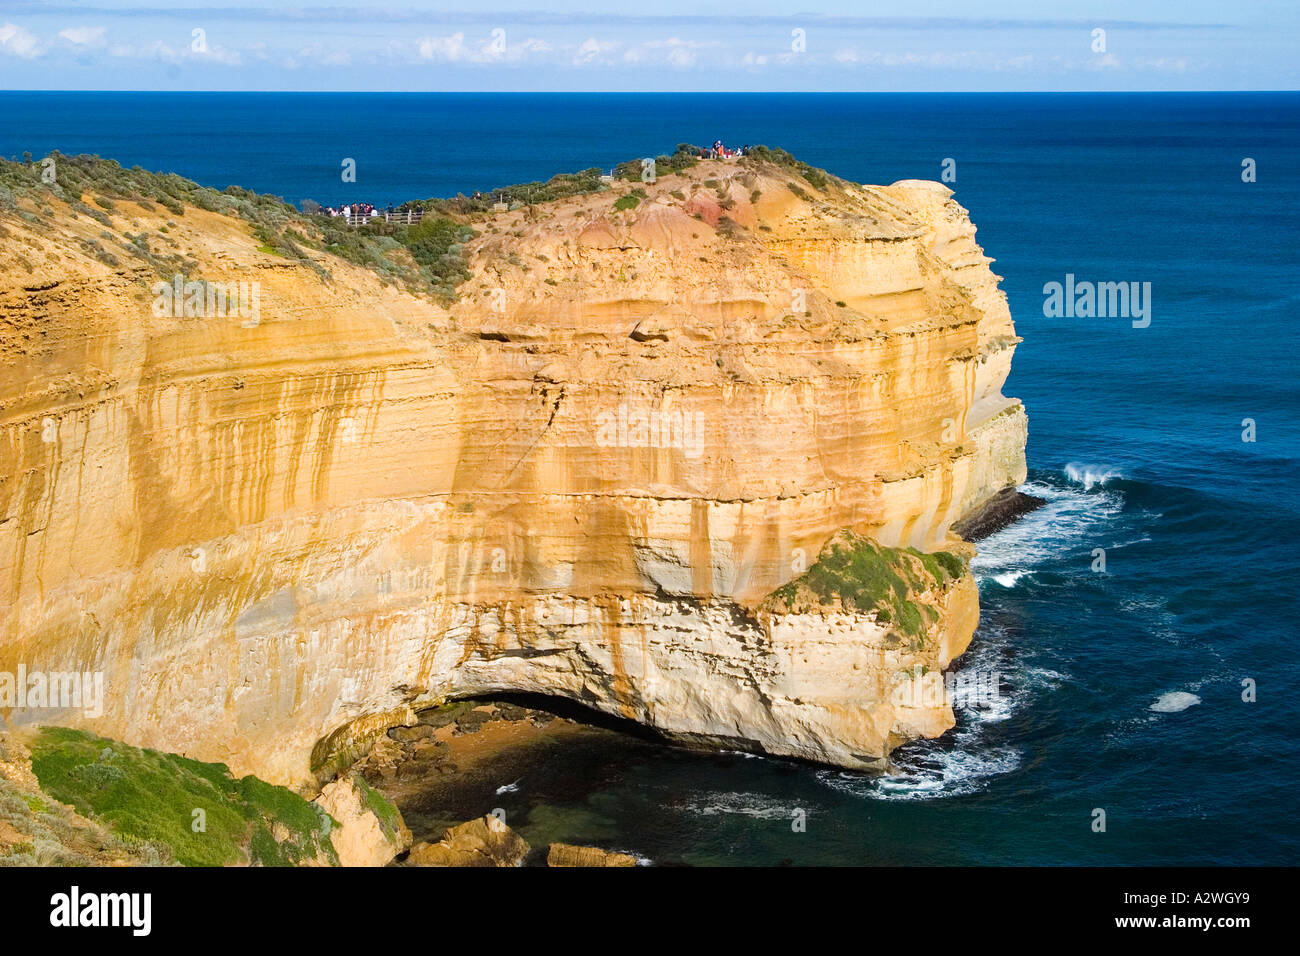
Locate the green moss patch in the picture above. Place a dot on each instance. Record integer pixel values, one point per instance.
(854, 573)
(147, 795)
(378, 804)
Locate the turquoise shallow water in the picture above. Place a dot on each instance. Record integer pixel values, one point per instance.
(1135, 442)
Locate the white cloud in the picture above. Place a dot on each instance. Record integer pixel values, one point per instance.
(221, 55)
(84, 36)
(1022, 62)
(681, 57)
(934, 60)
(592, 49)
(495, 49)
(319, 54)
(1168, 64)
(675, 51)
(16, 41)
(450, 48)
(517, 51)
(158, 50)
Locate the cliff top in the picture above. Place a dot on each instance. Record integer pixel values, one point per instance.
(484, 235)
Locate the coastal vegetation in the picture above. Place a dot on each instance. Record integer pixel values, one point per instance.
(383, 809)
(194, 812)
(630, 201)
(426, 257)
(817, 178)
(855, 573)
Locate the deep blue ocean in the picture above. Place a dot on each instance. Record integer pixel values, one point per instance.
(1136, 440)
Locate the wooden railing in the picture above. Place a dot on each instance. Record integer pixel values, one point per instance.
(407, 217)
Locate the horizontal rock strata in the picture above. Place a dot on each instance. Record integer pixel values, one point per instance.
(583, 478)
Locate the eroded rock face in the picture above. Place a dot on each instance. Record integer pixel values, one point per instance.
(370, 829)
(582, 479)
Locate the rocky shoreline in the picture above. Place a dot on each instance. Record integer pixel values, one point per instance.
(1006, 507)
(459, 741)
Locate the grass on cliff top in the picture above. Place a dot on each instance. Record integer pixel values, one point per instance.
(855, 573)
(562, 186)
(426, 258)
(817, 178)
(147, 795)
(36, 830)
(685, 156)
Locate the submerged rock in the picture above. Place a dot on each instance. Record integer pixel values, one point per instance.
(486, 841)
(565, 854)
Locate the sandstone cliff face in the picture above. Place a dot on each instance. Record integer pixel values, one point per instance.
(582, 478)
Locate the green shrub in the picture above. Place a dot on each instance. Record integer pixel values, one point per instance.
(630, 201)
(147, 795)
(818, 178)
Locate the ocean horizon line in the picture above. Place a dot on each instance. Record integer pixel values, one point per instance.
(683, 93)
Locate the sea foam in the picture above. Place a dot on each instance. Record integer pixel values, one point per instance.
(1175, 701)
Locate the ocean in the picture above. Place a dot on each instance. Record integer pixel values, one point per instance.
(1159, 691)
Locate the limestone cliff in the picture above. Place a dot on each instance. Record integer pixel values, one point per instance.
(649, 408)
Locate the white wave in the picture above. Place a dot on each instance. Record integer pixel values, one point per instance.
(509, 787)
(1069, 522)
(1018, 684)
(1091, 476)
(924, 774)
(1174, 702)
(965, 761)
(1128, 544)
(989, 710)
(1046, 678)
(746, 804)
(1009, 579)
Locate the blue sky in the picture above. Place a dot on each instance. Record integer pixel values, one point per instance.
(665, 45)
